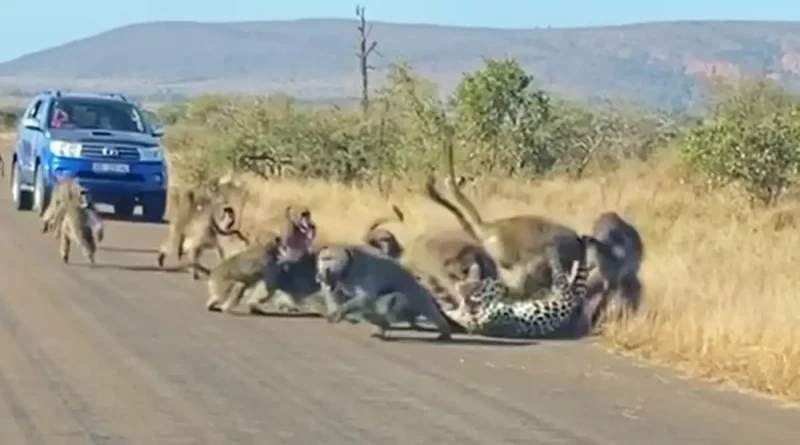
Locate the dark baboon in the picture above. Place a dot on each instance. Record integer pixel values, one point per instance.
(363, 276)
(291, 273)
(614, 257)
(77, 227)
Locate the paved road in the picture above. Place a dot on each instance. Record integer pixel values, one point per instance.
(121, 354)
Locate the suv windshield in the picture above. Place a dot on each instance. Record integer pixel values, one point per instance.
(96, 114)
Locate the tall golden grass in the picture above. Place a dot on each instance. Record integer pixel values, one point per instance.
(720, 279)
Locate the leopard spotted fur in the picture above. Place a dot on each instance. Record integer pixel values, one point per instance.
(490, 313)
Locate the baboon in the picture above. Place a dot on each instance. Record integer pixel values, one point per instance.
(188, 210)
(199, 225)
(516, 244)
(440, 260)
(65, 190)
(244, 269)
(77, 226)
(443, 258)
(184, 205)
(383, 239)
(363, 275)
(615, 254)
(293, 273)
(204, 231)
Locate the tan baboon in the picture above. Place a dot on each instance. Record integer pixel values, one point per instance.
(183, 205)
(516, 244)
(77, 226)
(205, 230)
(65, 190)
(244, 269)
(442, 259)
(382, 239)
(200, 224)
(615, 254)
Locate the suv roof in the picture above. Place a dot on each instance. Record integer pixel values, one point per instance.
(86, 95)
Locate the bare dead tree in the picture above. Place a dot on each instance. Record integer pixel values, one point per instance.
(365, 49)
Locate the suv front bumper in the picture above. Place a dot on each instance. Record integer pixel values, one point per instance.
(142, 181)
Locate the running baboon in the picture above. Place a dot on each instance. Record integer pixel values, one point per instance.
(614, 257)
(184, 205)
(382, 239)
(77, 226)
(204, 231)
(516, 244)
(244, 269)
(187, 210)
(363, 275)
(65, 190)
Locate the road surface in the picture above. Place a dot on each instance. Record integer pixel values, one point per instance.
(122, 354)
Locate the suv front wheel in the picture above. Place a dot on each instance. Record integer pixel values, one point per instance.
(40, 194)
(22, 199)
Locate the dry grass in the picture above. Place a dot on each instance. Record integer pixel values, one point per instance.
(720, 298)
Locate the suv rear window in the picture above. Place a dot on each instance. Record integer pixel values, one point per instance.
(96, 114)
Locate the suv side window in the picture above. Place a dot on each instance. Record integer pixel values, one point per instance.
(33, 110)
(41, 112)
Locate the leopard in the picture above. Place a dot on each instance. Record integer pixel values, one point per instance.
(489, 312)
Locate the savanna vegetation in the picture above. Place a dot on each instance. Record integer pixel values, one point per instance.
(713, 194)
(9, 116)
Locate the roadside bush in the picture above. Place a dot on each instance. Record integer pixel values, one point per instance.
(751, 136)
(9, 116)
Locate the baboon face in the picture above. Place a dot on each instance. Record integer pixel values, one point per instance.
(274, 249)
(465, 266)
(85, 200)
(331, 264)
(302, 230)
(386, 242)
(228, 218)
(604, 258)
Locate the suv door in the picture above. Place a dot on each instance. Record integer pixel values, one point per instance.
(27, 144)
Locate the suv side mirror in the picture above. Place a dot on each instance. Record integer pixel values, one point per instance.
(31, 124)
(158, 130)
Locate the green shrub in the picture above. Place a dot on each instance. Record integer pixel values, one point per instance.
(497, 120)
(752, 137)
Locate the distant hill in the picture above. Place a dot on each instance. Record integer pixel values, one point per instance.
(657, 64)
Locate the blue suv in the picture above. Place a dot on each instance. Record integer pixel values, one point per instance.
(102, 140)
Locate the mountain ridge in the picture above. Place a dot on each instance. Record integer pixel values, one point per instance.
(659, 64)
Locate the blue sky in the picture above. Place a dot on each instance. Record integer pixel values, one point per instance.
(31, 26)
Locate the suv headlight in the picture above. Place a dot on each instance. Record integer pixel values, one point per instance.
(151, 154)
(65, 149)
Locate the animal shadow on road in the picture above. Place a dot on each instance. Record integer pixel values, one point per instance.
(277, 314)
(127, 250)
(139, 268)
(110, 216)
(461, 341)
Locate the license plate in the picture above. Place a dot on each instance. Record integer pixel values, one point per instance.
(100, 167)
